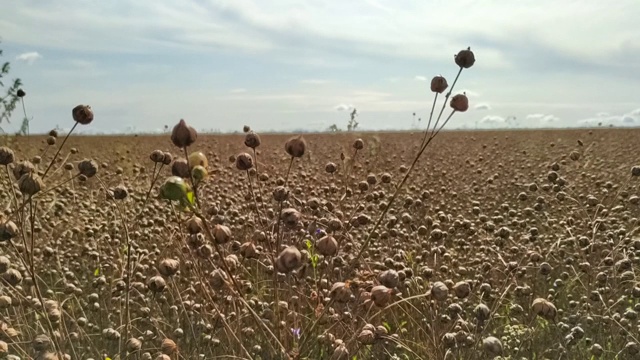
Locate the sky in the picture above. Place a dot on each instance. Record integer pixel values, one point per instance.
(291, 65)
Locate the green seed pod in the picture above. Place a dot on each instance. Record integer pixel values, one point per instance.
(174, 188)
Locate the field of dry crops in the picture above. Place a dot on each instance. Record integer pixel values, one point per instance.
(512, 245)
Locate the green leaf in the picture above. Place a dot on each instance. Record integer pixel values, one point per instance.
(96, 272)
(386, 326)
(191, 197)
(308, 243)
(402, 324)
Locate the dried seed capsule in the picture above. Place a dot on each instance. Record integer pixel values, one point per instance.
(157, 156)
(460, 103)
(180, 168)
(296, 146)
(244, 162)
(82, 114)
(183, 135)
(88, 168)
(23, 167)
(6, 156)
(252, 140)
(133, 345)
(120, 192)
(465, 58)
(168, 267)
(8, 230)
(544, 308)
(30, 184)
(439, 84)
(168, 158)
(358, 144)
(492, 346)
(327, 246)
(168, 347)
(289, 259)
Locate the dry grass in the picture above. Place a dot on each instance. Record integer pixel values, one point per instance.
(519, 244)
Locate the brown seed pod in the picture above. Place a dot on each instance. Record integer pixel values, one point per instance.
(183, 135)
(30, 184)
(246, 128)
(162, 357)
(330, 168)
(41, 343)
(5, 302)
(133, 345)
(289, 259)
(120, 192)
(366, 337)
(4, 349)
(544, 308)
(168, 267)
(53, 133)
(88, 168)
(6, 156)
(51, 140)
(381, 295)
(327, 246)
(439, 84)
(252, 140)
(462, 289)
(492, 346)
(8, 230)
(168, 347)
(13, 277)
(459, 103)
(635, 171)
(194, 225)
(221, 234)
(439, 291)
(358, 144)
(157, 156)
(296, 146)
(156, 284)
(249, 250)
(82, 114)
(180, 168)
(389, 278)
(244, 162)
(280, 194)
(465, 58)
(5, 263)
(168, 158)
(23, 167)
(340, 292)
(291, 217)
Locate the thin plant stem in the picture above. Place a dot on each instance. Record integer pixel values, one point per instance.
(58, 151)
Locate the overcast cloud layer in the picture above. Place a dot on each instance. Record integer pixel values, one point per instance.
(287, 65)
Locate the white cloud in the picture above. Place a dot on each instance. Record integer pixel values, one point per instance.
(493, 120)
(469, 93)
(343, 107)
(628, 119)
(238, 91)
(543, 118)
(29, 57)
(482, 106)
(420, 78)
